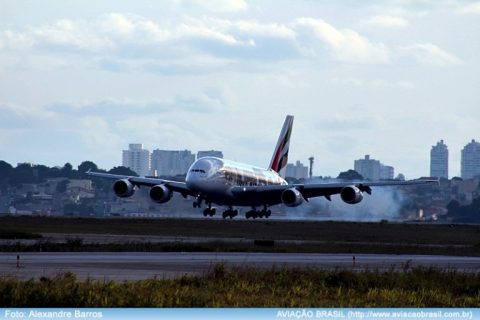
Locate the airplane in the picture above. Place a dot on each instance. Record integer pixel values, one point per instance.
(232, 184)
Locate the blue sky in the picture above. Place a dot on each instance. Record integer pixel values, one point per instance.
(81, 79)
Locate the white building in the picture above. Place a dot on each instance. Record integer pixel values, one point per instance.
(471, 160)
(137, 159)
(297, 170)
(171, 162)
(439, 160)
(368, 168)
(373, 170)
(386, 172)
(210, 153)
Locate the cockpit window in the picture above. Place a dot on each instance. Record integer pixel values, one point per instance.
(197, 170)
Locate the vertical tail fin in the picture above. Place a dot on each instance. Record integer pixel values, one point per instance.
(280, 155)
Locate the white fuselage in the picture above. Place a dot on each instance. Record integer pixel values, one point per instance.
(212, 178)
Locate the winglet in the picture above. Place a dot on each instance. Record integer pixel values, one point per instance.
(280, 155)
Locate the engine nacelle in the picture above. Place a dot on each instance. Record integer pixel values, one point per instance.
(351, 195)
(160, 193)
(123, 188)
(292, 197)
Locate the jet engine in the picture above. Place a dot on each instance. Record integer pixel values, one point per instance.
(292, 197)
(160, 193)
(351, 194)
(123, 188)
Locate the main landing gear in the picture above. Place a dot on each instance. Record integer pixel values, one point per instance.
(209, 211)
(265, 213)
(230, 213)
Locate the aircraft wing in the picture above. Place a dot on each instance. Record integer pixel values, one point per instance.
(328, 189)
(175, 186)
(272, 194)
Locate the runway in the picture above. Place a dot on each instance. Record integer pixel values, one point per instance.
(144, 265)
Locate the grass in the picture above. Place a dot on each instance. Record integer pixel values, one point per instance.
(223, 287)
(15, 234)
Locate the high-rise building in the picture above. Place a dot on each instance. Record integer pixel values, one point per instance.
(210, 153)
(386, 172)
(368, 168)
(297, 170)
(471, 160)
(137, 159)
(439, 160)
(171, 162)
(372, 169)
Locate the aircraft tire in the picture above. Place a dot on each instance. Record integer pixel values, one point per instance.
(212, 212)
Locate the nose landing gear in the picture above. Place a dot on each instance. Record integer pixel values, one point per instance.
(198, 202)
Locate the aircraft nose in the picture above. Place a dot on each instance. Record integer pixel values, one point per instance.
(201, 171)
(194, 179)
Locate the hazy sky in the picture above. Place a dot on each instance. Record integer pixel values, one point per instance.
(79, 80)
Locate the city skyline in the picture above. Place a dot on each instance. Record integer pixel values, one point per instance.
(173, 162)
(381, 78)
(140, 159)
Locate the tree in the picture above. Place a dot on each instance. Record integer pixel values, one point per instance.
(41, 172)
(464, 214)
(67, 170)
(453, 206)
(6, 171)
(23, 173)
(87, 165)
(475, 205)
(5, 168)
(292, 180)
(55, 172)
(122, 171)
(350, 175)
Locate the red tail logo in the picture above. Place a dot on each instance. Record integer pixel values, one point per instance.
(280, 155)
